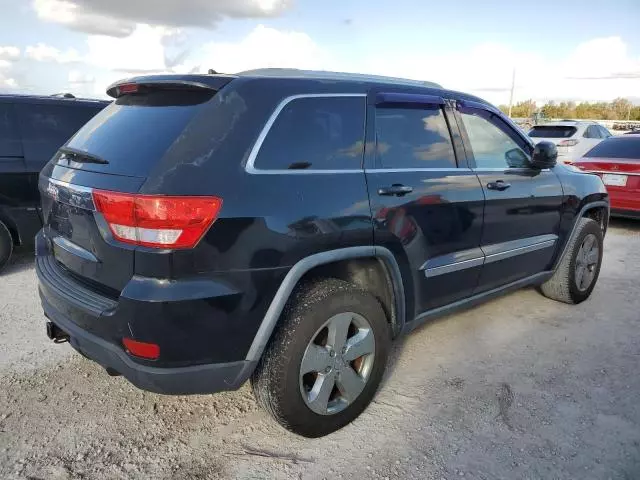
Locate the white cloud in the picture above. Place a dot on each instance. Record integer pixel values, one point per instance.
(263, 47)
(119, 17)
(9, 52)
(76, 77)
(142, 51)
(46, 53)
(600, 69)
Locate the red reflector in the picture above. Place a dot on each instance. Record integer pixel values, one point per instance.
(141, 349)
(127, 88)
(157, 221)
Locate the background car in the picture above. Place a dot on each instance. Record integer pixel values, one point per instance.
(617, 161)
(573, 138)
(32, 128)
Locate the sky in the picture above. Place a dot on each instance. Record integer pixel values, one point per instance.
(581, 50)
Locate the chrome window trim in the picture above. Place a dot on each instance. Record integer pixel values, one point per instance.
(255, 150)
(509, 169)
(398, 170)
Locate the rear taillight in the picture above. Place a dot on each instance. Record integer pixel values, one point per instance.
(157, 221)
(568, 143)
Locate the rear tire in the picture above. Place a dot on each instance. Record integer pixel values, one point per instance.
(6, 245)
(307, 335)
(577, 274)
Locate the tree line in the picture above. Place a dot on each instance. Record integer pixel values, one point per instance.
(618, 109)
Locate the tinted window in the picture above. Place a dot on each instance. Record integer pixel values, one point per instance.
(552, 131)
(617, 147)
(134, 132)
(492, 147)
(10, 143)
(46, 127)
(604, 133)
(591, 132)
(319, 133)
(413, 138)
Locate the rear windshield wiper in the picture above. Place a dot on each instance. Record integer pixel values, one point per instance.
(74, 155)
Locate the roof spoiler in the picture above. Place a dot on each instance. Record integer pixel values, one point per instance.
(168, 82)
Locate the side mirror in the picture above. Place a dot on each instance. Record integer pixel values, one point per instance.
(545, 155)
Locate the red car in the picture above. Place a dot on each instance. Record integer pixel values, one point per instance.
(617, 161)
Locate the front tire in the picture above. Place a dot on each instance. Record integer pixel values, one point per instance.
(577, 274)
(325, 360)
(6, 245)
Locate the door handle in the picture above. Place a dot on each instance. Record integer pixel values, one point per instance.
(498, 185)
(395, 190)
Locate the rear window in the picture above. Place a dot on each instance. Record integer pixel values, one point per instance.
(552, 131)
(135, 131)
(316, 133)
(617, 147)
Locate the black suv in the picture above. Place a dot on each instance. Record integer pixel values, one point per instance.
(32, 128)
(286, 226)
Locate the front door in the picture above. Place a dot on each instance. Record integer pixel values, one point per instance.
(522, 204)
(427, 204)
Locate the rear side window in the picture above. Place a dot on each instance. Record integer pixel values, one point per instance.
(604, 133)
(46, 127)
(617, 147)
(592, 132)
(10, 143)
(413, 138)
(315, 133)
(552, 131)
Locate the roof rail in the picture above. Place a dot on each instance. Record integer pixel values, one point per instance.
(328, 75)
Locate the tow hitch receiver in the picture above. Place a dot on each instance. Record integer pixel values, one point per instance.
(56, 334)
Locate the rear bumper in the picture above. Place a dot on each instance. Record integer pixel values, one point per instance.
(198, 379)
(203, 339)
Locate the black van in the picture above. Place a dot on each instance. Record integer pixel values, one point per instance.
(32, 128)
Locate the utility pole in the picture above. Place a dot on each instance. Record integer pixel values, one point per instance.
(513, 86)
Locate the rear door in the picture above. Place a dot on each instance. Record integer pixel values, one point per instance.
(523, 204)
(426, 202)
(114, 151)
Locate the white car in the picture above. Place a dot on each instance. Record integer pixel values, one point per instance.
(573, 138)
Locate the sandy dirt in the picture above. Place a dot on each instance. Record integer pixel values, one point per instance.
(521, 387)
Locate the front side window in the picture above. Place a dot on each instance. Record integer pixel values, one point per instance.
(413, 138)
(492, 147)
(315, 133)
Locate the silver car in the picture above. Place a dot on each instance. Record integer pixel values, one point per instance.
(573, 138)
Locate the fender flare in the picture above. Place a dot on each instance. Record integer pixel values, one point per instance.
(583, 210)
(294, 275)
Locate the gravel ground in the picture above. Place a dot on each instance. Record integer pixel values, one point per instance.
(522, 387)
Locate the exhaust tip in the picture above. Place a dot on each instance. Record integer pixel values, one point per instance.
(56, 334)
